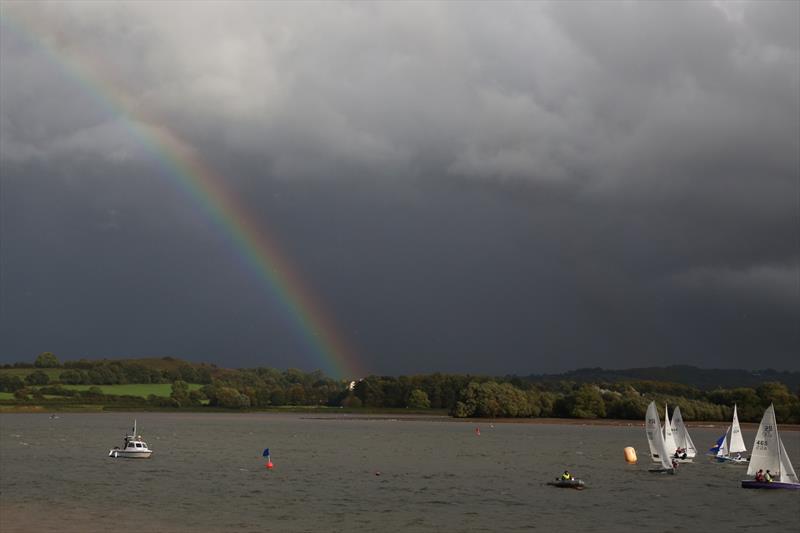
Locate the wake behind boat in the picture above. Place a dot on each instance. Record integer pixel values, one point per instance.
(133, 447)
(769, 462)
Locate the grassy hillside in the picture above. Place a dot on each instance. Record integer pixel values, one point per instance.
(52, 373)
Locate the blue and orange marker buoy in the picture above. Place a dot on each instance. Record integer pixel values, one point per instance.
(268, 465)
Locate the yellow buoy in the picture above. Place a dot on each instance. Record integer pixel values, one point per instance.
(630, 455)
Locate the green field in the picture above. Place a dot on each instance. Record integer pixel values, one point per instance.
(133, 389)
(142, 389)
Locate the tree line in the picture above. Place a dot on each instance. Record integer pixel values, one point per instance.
(458, 394)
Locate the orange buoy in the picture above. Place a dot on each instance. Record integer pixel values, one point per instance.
(630, 455)
(269, 465)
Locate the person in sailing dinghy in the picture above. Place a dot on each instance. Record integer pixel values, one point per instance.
(768, 477)
(566, 476)
(760, 476)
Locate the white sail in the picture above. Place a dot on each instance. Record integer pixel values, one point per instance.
(723, 448)
(736, 443)
(654, 437)
(650, 438)
(787, 470)
(768, 451)
(765, 447)
(691, 451)
(669, 439)
(681, 434)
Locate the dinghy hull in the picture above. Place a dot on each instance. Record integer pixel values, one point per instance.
(753, 484)
(568, 484)
(662, 470)
(732, 461)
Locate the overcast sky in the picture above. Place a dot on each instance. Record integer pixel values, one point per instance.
(465, 187)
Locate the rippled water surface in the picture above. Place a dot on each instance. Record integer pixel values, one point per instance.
(207, 474)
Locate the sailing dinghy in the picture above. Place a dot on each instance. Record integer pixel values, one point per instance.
(769, 455)
(732, 445)
(685, 450)
(655, 439)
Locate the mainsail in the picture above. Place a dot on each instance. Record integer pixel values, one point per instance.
(651, 438)
(654, 437)
(681, 434)
(787, 470)
(723, 448)
(736, 443)
(769, 453)
(669, 439)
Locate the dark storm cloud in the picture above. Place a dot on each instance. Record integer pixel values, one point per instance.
(470, 187)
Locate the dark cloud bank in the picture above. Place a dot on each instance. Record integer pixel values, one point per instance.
(498, 188)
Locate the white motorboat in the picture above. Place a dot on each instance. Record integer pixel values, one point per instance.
(133, 447)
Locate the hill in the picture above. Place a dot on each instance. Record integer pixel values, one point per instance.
(705, 379)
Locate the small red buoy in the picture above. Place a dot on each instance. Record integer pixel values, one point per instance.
(269, 465)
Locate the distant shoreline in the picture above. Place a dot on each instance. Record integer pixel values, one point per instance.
(333, 414)
(709, 424)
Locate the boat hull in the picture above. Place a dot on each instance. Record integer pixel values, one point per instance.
(568, 484)
(662, 470)
(125, 454)
(732, 461)
(753, 484)
(656, 459)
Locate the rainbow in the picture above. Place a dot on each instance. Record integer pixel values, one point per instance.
(253, 243)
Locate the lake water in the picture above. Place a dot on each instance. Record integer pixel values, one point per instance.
(207, 474)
